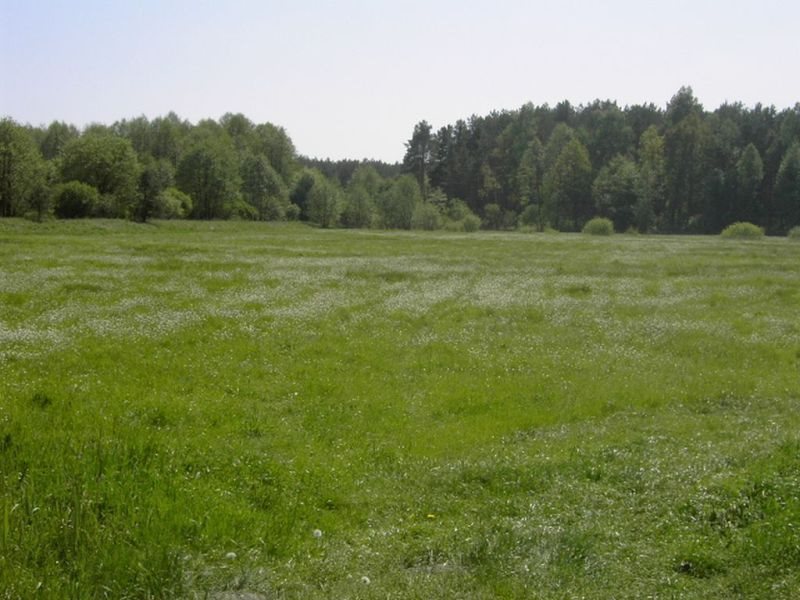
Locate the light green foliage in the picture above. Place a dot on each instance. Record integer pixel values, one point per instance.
(22, 170)
(743, 231)
(360, 197)
(460, 217)
(108, 163)
(39, 205)
(652, 180)
(457, 209)
(240, 129)
(155, 176)
(209, 172)
(57, 135)
(172, 204)
(292, 212)
(183, 404)
(324, 202)
(794, 233)
(301, 187)
(167, 136)
(273, 142)
(426, 217)
(598, 226)
(359, 207)
(396, 204)
(263, 188)
(471, 223)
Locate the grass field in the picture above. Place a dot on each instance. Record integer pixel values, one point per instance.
(223, 410)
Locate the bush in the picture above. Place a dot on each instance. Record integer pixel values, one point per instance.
(241, 210)
(426, 216)
(75, 200)
(598, 226)
(794, 233)
(743, 231)
(471, 223)
(172, 204)
(458, 209)
(292, 212)
(461, 218)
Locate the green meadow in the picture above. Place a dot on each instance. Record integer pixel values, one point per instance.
(243, 410)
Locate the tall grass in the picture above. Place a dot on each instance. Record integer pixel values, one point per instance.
(194, 409)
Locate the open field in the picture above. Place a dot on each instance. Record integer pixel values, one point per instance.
(234, 410)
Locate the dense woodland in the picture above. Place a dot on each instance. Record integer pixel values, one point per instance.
(679, 169)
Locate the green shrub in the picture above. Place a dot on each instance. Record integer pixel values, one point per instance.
(743, 231)
(241, 210)
(460, 217)
(530, 216)
(598, 226)
(471, 223)
(794, 233)
(172, 204)
(458, 209)
(426, 216)
(76, 200)
(292, 212)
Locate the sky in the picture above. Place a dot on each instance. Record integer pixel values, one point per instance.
(350, 78)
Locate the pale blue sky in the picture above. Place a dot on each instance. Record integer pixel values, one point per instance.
(349, 79)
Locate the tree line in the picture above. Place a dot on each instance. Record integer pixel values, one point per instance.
(682, 169)
(679, 169)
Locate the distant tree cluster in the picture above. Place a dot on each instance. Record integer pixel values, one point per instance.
(141, 169)
(682, 169)
(168, 168)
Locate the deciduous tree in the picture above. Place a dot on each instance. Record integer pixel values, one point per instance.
(22, 168)
(209, 173)
(567, 187)
(396, 204)
(108, 163)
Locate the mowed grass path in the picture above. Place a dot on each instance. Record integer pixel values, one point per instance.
(244, 410)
